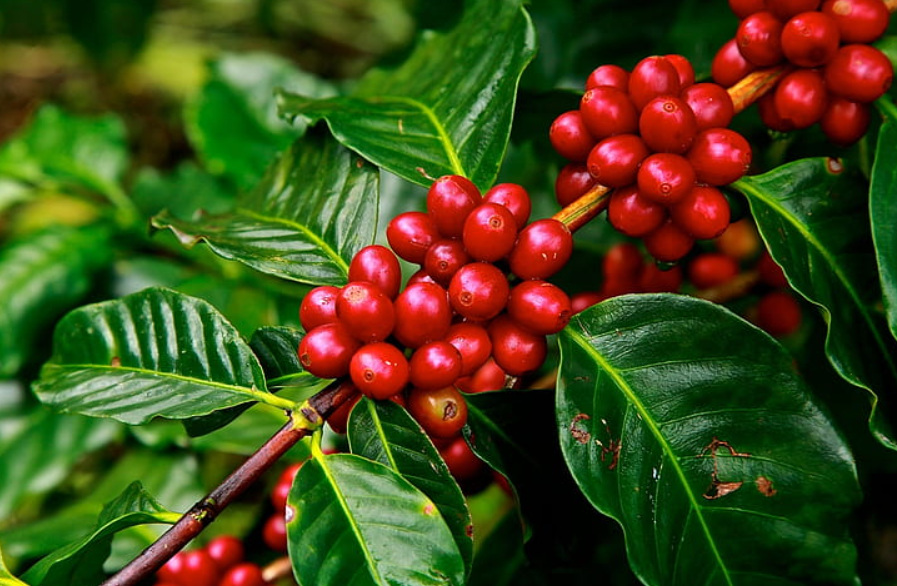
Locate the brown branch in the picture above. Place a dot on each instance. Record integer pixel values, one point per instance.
(310, 416)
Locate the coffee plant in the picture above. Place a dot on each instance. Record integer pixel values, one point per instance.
(496, 293)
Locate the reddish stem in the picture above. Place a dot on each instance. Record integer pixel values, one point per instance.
(310, 417)
(580, 212)
(755, 85)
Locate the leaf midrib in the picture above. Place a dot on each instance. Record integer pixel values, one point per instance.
(665, 446)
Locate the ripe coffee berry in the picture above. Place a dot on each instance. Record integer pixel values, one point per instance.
(434, 365)
(570, 137)
(245, 574)
(711, 269)
(423, 314)
(339, 419)
(282, 488)
(729, 66)
(859, 72)
(769, 114)
(683, 68)
(607, 111)
(478, 291)
(740, 241)
(785, 9)
(584, 299)
(634, 215)
(226, 551)
(490, 231)
(514, 197)
(449, 200)
(274, 533)
(193, 567)
(702, 213)
(711, 105)
(318, 307)
(668, 243)
(379, 370)
(615, 160)
(665, 178)
(410, 234)
(488, 377)
(745, 8)
(779, 313)
(719, 156)
(759, 39)
(326, 350)
(443, 260)
(540, 307)
(461, 461)
(667, 125)
(441, 412)
(656, 280)
(810, 39)
(472, 343)
(801, 98)
(542, 249)
(515, 349)
(608, 75)
(858, 21)
(623, 262)
(366, 312)
(844, 122)
(652, 77)
(378, 265)
(573, 180)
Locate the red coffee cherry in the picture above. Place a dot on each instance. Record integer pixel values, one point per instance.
(668, 243)
(656, 280)
(653, 77)
(514, 197)
(443, 260)
(801, 98)
(608, 75)
(745, 8)
(683, 68)
(488, 377)
(584, 300)
(245, 574)
(326, 350)
(410, 234)
(540, 307)
(274, 533)
(478, 291)
(441, 412)
(859, 72)
(770, 272)
(607, 111)
(472, 343)
(366, 312)
(810, 39)
(379, 370)
(570, 137)
(449, 200)
(719, 156)
(785, 9)
(858, 21)
(542, 249)
(759, 39)
(423, 314)
(711, 269)
(226, 551)
(461, 461)
(515, 349)
(193, 567)
(318, 307)
(572, 182)
(665, 178)
(615, 160)
(622, 262)
(667, 125)
(281, 489)
(769, 114)
(740, 240)
(711, 104)
(844, 122)
(490, 232)
(779, 313)
(378, 265)
(421, 276)
(434, 365)
(702, 213)
(634, 215)
(729, 66)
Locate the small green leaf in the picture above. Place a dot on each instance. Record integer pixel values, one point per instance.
(232, 122)
(354, 521)
(315, 208)
(156, 353)
(276, 348)
(690, 427)
(815, 222)
(384, 432)
(6, 577)
(883, 212)
(44, 275)
(82, 561)
(447, 109)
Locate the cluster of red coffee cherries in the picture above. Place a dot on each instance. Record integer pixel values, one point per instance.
(661, 142)
(219, 563)
(458, 322)
(836, 73)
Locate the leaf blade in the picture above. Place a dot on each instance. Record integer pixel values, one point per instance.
(882, 211)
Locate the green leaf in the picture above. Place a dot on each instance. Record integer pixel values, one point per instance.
(6, 577)
(690, 427)
(184, 192)
(384, 432)
(153, 353)
(315, 208)
(358, 522)
(816, 225)
(232, 122)
(82, 561)
(44, 274)
(276, 348)
(447, 109)
(883, 212)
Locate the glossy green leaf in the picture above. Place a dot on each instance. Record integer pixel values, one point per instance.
(815, 222)
(183, 192)
(314, 209)
(690, 427)
(6, 577)
(82, 561)
(384, 432)
(354, 521)
(157, 353)
(232, 122)
(447, 109)
(276, 348)
(883, 212)
(44, 274)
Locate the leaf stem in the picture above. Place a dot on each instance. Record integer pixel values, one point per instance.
(580, 212)
(308, 418)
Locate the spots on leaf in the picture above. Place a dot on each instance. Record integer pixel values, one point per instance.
(115, 362)
(719, 488)
(764, 485)
(579, 434)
